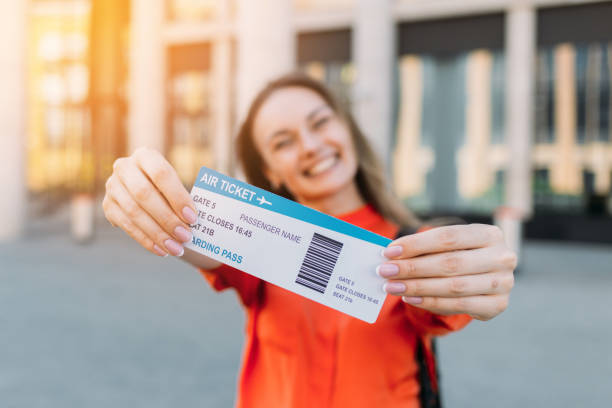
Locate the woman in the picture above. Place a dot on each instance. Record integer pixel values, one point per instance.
(298, 142)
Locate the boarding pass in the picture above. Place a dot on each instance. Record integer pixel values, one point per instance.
(287, 244)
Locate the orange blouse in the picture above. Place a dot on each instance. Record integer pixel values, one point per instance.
(299, 353)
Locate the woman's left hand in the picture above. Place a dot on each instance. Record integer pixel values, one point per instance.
(453, 269)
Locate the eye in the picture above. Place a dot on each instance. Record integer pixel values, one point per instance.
(282, 143)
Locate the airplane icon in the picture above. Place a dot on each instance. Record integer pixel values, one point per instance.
(262, 200)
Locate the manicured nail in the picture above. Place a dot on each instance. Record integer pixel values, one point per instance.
(159, 251)
(392, 251)
(387, 270)
(182, 234)
(413, 300)
(174, 247)
(394, 288)
(189, 215)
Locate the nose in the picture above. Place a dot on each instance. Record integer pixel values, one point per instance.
(310, 142)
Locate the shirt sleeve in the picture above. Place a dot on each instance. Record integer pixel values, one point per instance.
(248, 287)
(429, 323)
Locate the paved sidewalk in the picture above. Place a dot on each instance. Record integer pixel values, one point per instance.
(107, 325)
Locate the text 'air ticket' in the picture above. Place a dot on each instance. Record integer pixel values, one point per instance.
(289, 245)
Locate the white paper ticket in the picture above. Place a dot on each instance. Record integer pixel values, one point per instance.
(289, 245)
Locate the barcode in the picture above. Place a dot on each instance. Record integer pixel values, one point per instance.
(319, 262)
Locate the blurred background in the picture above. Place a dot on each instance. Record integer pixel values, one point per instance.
(490, 110)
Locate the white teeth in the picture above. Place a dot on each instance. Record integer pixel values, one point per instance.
(321, 166)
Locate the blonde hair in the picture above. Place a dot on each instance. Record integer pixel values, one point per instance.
(370, 176)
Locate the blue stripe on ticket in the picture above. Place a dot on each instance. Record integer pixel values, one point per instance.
(212, 180)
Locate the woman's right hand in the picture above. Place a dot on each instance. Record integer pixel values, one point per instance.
(145, 198)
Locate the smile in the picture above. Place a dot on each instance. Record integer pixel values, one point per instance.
(322, 166)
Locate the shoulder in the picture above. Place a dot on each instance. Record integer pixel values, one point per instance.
(385, 227)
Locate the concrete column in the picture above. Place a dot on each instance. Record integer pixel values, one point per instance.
(13, 28)
(146, 76)
(373, 45)
(266, 46)
(520, 71)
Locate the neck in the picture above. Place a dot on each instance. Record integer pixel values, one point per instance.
(346, 200)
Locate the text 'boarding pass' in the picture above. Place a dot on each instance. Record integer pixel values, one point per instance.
(289, 245)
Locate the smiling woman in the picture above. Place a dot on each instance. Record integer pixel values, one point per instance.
(296, 112)
(298, 142)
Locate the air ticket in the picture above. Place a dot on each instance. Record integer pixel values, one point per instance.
(289, 245)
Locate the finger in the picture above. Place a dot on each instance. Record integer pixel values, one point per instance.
(117, 218)
(164, 177)
(483, 307)
(149, 198)
(453, 263)
(458, 286)
(139, 217)
(106, 205)
(443, 239)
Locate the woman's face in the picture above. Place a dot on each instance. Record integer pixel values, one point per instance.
(306, 147)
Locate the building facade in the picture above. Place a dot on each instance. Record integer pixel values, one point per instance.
(474, 105)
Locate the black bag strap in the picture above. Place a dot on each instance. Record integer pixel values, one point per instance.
(429, 396)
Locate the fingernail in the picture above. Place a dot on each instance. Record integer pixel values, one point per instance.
(387, 270)
(189, 215)
(392, 251)
(174, 247)
(182, 234)
(413, 300)
(394, 287)
(159, 251)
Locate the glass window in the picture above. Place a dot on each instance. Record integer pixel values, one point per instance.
(573, 137)
(190, 117)
(450, 153)
(76, 93)
(59, 137)
(544, 101)
(326, 56)
(573, 140)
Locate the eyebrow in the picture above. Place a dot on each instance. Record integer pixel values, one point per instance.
(315, 111)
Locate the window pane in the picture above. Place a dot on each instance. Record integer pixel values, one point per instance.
(59, 127)
(326, 56)
(190, 126)
(450, 154)
(572, 150)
